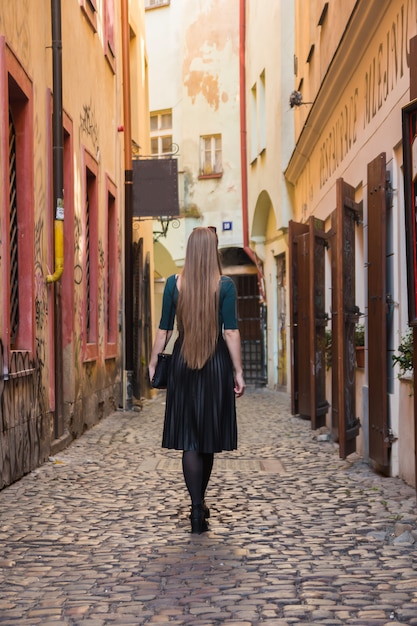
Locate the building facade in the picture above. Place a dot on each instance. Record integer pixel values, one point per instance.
(62, 218)
(195, 79)
(269, 136)
(347, 239)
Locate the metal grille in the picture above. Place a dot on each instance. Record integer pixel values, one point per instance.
(110, 268)
(252, 322)
(13, 242)
(88, 268)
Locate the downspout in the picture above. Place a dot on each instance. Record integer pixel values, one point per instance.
(58, 191)
(57, 142)
(128, 282)
(243, 151)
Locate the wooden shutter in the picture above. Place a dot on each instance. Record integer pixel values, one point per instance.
(308, 321)
(379, 441)
(345, 423)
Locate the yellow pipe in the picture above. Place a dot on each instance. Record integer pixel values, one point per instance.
(58, 245)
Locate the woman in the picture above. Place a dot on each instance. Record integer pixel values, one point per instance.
(206, 368)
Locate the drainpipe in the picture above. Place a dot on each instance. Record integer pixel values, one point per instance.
(58, 184)
(57, 142)
(243, 151)
(128, 282)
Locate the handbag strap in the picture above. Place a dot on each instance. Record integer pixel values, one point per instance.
(172, 304)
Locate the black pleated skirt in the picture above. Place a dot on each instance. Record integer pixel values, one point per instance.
(200, 411)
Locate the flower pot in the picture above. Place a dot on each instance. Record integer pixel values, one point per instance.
(360, 356)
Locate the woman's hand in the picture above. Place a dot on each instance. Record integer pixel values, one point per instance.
(239, 385)
(161, 339)
(151, 371)
(232, 338)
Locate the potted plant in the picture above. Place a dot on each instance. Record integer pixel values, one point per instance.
(405, 357)
(360, 345)
(328, 348)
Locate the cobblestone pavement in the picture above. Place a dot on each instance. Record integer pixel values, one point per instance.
(100, 535)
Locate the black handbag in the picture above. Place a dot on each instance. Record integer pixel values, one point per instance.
(160, 377)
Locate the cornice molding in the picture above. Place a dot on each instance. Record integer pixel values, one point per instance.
(360, 29)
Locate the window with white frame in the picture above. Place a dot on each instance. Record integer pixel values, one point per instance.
(262, 113)
(258, 118)
(211, 155)
(253, 124)
(161, 132)
(153, 4)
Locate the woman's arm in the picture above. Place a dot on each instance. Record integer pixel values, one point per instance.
(161, 340)
(232, 338)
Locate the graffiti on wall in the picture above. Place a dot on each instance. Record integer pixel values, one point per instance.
(14, 23)
(88, 124)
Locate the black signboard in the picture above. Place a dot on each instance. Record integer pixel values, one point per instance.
(155, 187)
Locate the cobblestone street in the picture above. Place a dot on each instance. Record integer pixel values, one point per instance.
(100, 535)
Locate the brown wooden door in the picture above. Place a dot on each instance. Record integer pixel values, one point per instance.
(345, 423)
(296, 231)
(379, 442)
(308, 321)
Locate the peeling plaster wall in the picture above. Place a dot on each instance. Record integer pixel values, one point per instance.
(92, 102)
(196, 74)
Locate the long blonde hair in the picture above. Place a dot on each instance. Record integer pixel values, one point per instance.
(198, 302)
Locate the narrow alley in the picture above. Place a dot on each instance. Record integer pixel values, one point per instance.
(100, 534)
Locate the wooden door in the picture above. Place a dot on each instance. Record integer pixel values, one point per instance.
(345, 314)
(296, 231)
(308, 321)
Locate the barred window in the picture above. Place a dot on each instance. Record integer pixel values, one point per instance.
(111, 271)
(17, 213)
(90, 268)
(13, 237)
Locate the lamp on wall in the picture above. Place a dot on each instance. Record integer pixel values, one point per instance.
(296, 99)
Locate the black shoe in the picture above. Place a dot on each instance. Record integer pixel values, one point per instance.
(206, 510)
(198, 521)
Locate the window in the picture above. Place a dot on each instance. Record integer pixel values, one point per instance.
(90, 260)
(253, 124)
(112, 264)
(258, 118)
(17, 218)
(154, 4)
(109, 50)
(262, 113)
(211, 155)
(161, 132)
(89, 8)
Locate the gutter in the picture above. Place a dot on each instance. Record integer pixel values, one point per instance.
(58, 199)
(57, 142)
(128, 237)
(243, 152)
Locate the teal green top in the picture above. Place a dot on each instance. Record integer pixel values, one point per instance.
(227, 304)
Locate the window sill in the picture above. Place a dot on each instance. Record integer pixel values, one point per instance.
(110, 351)
(205, 176)
(90, 352)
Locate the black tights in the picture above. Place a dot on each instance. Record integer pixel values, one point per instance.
(197, 467)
